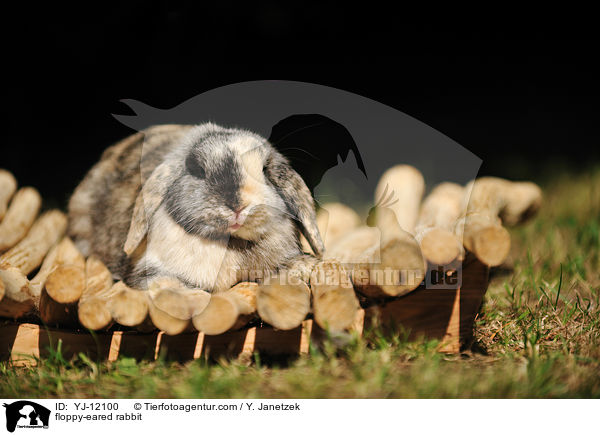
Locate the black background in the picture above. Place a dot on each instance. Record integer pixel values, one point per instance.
(520, 92)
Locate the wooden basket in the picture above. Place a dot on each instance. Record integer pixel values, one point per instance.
(446, 314)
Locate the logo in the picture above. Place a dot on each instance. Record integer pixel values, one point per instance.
(339, 145)
(27, 415)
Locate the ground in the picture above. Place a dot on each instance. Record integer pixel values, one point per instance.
(538, 336)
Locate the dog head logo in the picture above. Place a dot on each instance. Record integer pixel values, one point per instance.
(26, 414)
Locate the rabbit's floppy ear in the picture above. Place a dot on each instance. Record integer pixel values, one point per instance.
(146, 203)
(297, 198)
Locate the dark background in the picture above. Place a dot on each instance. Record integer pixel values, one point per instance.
(521, 93)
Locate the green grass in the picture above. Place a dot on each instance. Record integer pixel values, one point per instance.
(539, 326)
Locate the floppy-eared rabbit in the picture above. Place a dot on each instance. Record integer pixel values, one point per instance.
(200, 204)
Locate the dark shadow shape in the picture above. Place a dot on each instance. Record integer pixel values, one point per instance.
(179, 347)
(423, 312)
(138, 345)
(228, 345)
(313, 143)
(95, 345)
(7, 340)
(277, 347)
(475, 281)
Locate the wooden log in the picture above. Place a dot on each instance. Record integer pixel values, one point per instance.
(8, 185)
(21, 214)
(23, 258)
(128, 307)
(444, 314)
(66, 282)
(334, 301)
(98, 279)
(403, 185)
(29, 253)
(480, 228)
(18, 300)
(334, 220)
(283, 300)
(51, 312)
(442, 206)
(489, 202)
(401, 269)
(197, 300)
(56, 314)
(93, 310)
(228, 310)
(93, 314)
(171, 305)
(440, 246)
(514, 202)
(282, 303)
(389, 263)
(38, 282)
(380, 267)
(168, 311)
(361, 245)
(485, 237)
(523, 200)
(435, 226)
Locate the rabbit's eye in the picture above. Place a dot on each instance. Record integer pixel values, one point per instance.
(194, 167)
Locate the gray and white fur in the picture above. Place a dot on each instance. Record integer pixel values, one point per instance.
(205, 205)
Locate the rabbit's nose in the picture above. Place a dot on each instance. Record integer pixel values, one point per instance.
(239, 210)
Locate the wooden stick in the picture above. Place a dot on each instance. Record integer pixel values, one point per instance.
(487, 200)
(334, 301)
(56, 314)
(93, 308)
(93, 314)
(512, 201)
(197, 300)
(283, 300)
(361, 245)
(380, 268)
(434, 230)
(38, 282)
(171, 305)
(30, 252)
(16, 287)
(403, 186)
(522, 201)
(228, 310)
(334, 220)
(480, 228)
(128, 307)
(66, 282)
(168, 311)
(283, 304)
(20, 216)
(47, 308)
(8, 185)
(23, 258)
(50, 311)
(391, 263)
(401, 269)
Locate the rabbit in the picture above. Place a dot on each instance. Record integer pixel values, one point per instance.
(197, 205)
